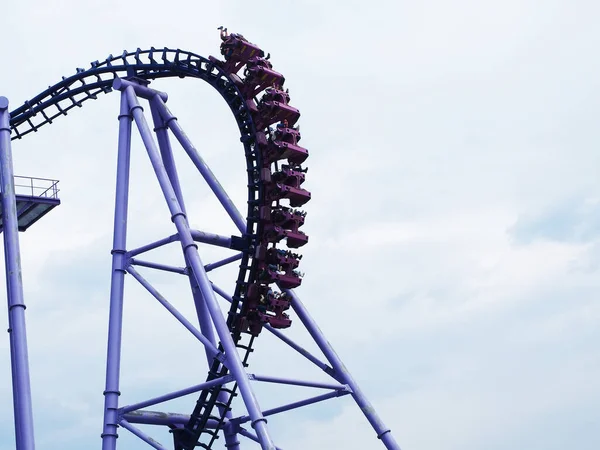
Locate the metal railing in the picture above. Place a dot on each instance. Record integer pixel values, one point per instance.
(36, 187)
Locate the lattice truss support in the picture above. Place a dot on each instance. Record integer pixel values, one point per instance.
(225, 356)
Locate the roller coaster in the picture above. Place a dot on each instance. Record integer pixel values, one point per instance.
(263, 296)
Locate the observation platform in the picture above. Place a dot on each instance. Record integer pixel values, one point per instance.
(35, 197)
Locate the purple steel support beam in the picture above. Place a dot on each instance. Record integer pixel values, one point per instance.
(201, 165)
(230, 431)
(295, 405)
(342, 374)
(157, 266)
(292, 382)
(316, 361)
(251, 436)
(161, 418)
(210, 347)
(115, 324)
(143, 436)
(199, 236)
(162, 135)
(180, 393)
(14, 375)
(14, 285)
(283, 337)
(202, 313)
(152, 245)
(221, 292)
(206, 325)
(223, 262)
(166, 153)
(211, 238)
(190, 251)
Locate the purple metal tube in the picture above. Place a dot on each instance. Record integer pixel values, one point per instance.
(161, 130)
(143, 436)
(203, 315)
(210, 347)
(115, 324)
(291, 382)
(211, 238)
(153, 245)
(14, 375)
(231, 436)
(162, 418)
(180, 393)
(251, 436)
(223, 262)
(5, 126)
(283, 337)
(206, 327)
(316, 361)
(14, 286)
(153, 265)
(201, 165)
(295, 405)
(199, 236)
(166, 152)
(342, 373)
(191, 253)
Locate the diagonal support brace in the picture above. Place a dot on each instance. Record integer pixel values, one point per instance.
(190, 250)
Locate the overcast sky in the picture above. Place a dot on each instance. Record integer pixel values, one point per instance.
(454, 250)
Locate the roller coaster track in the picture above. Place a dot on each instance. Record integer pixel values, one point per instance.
(255, 135)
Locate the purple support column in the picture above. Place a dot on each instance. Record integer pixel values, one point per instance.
(342, 373)
(231, 436)
(161, 130)
(231, 440)
(190, 250)
(14, 285)
(166, 153)
(17, 424)
(201, 165)
(115, 324)
(292, 382)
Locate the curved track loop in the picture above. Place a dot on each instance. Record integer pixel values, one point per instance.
(257, 101)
